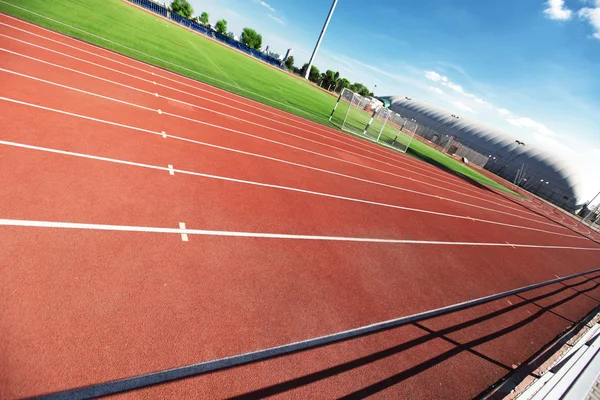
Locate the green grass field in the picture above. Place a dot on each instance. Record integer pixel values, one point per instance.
(119, 26)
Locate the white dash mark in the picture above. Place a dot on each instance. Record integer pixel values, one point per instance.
(171, 172)
(156, 94)
(184, 236)
(159, 111)
(164, 134)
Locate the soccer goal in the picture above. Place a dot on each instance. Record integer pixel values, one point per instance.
(352, 111)
(368, 117)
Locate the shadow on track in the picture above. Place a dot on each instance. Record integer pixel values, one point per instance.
(458, 348)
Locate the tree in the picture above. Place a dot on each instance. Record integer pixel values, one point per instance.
(182, 7)
(314, 75)
(303, 69)
(251, 38)
(203, 18)
(231, 35)
(343, 83)
(360, 89)
(221, 26)
(289, 63)
(329, 79)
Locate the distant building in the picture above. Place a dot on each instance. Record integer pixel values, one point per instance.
(545, 174)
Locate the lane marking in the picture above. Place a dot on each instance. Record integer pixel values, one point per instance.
(164, 134)
(587, 231)
(267, 185)
(510, 245)
(428, 176)
(243, 133)
(264, 235)
(298, 148)
(184, 236)
(412, 165)
(155, 94)
(229, 96)
(171, 170)
(261, 156)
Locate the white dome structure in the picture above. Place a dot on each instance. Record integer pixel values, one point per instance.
(541, 172)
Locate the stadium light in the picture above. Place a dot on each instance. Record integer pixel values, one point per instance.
(314, 53)
(519, 143)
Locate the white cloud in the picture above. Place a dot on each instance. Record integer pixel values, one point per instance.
(592, 15)
(436, 90)
(277, 19)
(596, 151)
(556, 10)
(434, 76)
(482, 102)
(463, 107)
(529, 124)
(262, 3)
(503, 112)
(456, 88)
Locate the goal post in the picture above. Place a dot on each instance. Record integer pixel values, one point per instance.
(352, 112)
(366, 116)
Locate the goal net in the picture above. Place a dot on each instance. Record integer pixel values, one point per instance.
(366, 116)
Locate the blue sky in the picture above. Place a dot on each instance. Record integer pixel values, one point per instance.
(528, 67)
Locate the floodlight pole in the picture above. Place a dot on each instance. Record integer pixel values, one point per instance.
(519, 143)
(314, 53)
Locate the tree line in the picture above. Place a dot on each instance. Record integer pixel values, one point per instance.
(328, 80)
(249, 37)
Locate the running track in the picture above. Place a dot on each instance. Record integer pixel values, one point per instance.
(150, 221)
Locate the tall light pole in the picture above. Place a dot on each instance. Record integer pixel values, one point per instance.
(314, 54)
(519, 143)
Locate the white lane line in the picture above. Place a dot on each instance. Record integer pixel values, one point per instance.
(171, 170)
(227, 95)
(331, 172)
(226, 105)
(267, 185)
(267, 127)
(184, 236)
(263, 235)
(301, 149)
(510, 245)
(164, 134)
(462, 186)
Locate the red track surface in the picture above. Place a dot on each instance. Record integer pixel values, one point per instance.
(85, 306)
